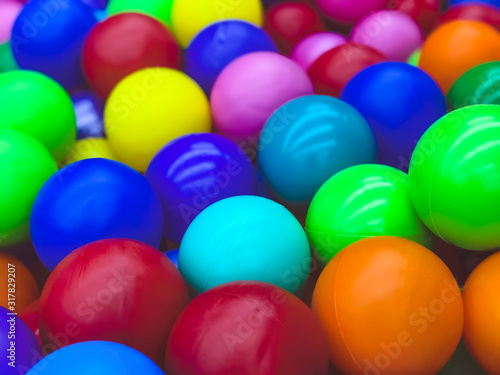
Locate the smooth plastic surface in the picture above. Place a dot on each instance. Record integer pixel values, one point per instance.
(31, 317)
(89, 148)
(89, 112)
(349, 11)
(9, 10)
(7, 61)
(310, 48)
(425, 12)
(473, 11)
(159, 9)
(173, 255)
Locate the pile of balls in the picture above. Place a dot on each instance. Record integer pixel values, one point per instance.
(249, 187)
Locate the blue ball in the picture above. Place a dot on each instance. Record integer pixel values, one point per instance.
(493, 2)
(308, 140)
(245, 238)
(96, 358)
(173, 255)
(48, 37)
(89, 111)
(220, 43)
(91, 200)
(400, 102)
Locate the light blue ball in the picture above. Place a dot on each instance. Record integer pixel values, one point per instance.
(308, 140)
(245, 238)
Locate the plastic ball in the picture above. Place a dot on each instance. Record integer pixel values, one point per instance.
(90, 148)
(89, 111)
(123, 44)
(456, 47)
(388, 305)
(425, 12)
(397, 36)
(414, 57)
(173, 255)
(48, 37)
(474, 12)
(104, 290)
(186, 23)
(7, 61)
(349, 11)
(251, 88)
(90, 200)
(308, 140)
(159, 9)
(31, 317)
(309, 49)
(454, 180)
(148, 109)
(36, 105)
(9, 10)
(96, 4)
(24, 167)
(493, 2)
(245, 238)
(214, 47)
(400, 102)
(333, 69)
(194, 171)
(359, 202)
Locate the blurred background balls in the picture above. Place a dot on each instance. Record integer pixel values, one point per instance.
(348, 11)
(90, 148)
(310, 48)
(473, 11)
(9, 10)
(89, 112)
(159, 9)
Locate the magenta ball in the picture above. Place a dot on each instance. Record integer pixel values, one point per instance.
(392, 32)
(9, 10)
(250, 89)
(350, 11)
(307, 51)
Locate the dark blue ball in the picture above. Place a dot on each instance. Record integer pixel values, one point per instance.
(492, 2)
(89, 111)
(173, 255)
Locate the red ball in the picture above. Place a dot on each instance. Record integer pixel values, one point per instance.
(247, 328)
(425, 12)
(335, 68)
(473, 12)
(30, 316)
(113, 290)
(123, 44)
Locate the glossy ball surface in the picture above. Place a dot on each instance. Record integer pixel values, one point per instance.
(310, 48)
(348, 11)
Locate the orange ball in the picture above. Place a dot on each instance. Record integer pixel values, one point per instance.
(456, 47)
(389, 306)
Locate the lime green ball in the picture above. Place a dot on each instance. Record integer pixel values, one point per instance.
(455, 177)
(7, 61)
(363, 201)
(38, 106)
(24, 167)
(159, 9)
(415, 57)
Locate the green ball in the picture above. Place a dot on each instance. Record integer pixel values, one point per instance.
(363, 201)
(455, 177)
(414, 58)
(38, 106)
(159, 9)
(479, 85)
(7, 60)
(24, 167)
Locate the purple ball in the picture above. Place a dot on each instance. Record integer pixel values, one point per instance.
(89, 111)
(192, 172)
(307, 51)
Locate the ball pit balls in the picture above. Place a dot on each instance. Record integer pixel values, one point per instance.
(149, 108)
(123, 44)
(474, 12)
(359, 202)
(456, 47)
(7, 61)
(245, 238)
(173, 255)
(308, 140)
(194, 171)
(336, 67)
(38, 106)
(90, 148)
(493, 2)
(89, 112)
(247, 328)
(9, 10)
(186, 23)
(454, 180)
(309, 49)
(425, 12)
(215, 46)
(348, 11)
(414, 58)
(96, 358)
(397, 36)
(24, 167)
(400, 102)
(90, 200)
(48, 37)
(115, 290)
(159, 9)
(251, 88)
(358, 300)
(31, 317)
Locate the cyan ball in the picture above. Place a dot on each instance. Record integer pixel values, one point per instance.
(308, 140)
(245, 238)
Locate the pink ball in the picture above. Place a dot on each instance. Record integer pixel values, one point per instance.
(350, 11)
(392, 32)
(307, 51)
(9, 11)
(251, 88)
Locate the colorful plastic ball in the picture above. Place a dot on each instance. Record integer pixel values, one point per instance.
(9, 10)
(159, 9)
(48, 37)
(359, 202)
(493, 2)
(7, 61)
(90, 148)
(456, 47)
(215, 46)
(186, 23)
(308, 140)
(251, 88)
(91, 200)
(24, 167)
(36, 105)
(333, 69)
(483, 12)
(173, 255)
(194, 171)
(400, 102)
(89, 111)
(148, 109)
(116, 290)
(414, 58)
(31, 317)
(389, 305)
(245, 238)
(97, 358)
(309, 49)
(453, 177)
(123, 44)
(348, 11)
(247, 328)
(96, 4)
(391, 32)
(425, 12)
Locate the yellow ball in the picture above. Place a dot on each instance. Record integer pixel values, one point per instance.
(148, 109)
(89, 148)
(189, 17)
